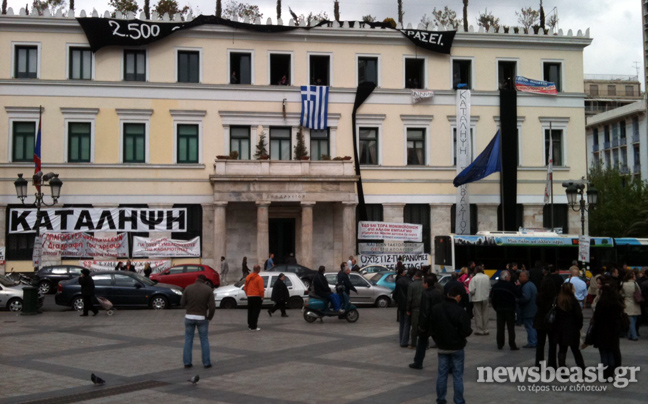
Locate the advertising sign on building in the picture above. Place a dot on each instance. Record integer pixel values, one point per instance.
(390, 231)
(412, 255)
(56, 245)
(165, 247)
(156, 265)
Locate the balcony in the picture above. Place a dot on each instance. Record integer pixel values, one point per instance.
(636, 169)
(615, 142)
(623, 141)
(282, 168)
(606, 145)
(635, 138)
(595, 148)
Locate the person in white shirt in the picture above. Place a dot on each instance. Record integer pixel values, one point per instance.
(479, 291)
(580, 287)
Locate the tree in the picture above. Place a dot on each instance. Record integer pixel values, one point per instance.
(542, 16)
(4, 7)
(278, 9)
(465, 15)
(390, 21)
(552, 22)
(336, 10)
(52, 5)
(170, 7)
(368, 18)
(261, 151)
(300, 148)
(400, 12)
(443, 18)
(528, 17)
(304, 21)
(124, 6)
(621, 205)
(147, 9)
(241, 11)
(488, 20)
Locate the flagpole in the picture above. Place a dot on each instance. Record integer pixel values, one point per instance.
(551, 177)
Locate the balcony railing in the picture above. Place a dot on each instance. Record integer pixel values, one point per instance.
(636, 169)
(595, 148)
(623, 141)
(604, 93)
(606, 145)
(635, 138)
(615, 142)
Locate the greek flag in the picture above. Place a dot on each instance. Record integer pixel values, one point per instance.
(314, 107)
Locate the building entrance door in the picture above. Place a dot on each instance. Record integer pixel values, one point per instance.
(281, 238)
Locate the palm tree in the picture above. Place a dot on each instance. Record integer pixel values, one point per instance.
(465, 15)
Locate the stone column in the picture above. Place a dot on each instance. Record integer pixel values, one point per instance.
(306, 254)
(262, 232)
(394, 212)
(349, 229)
(220, 230)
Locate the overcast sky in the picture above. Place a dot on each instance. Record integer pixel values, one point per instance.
(615, 25)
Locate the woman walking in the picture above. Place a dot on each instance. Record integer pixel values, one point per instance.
(280, 296)
(606, 328)
(632, 308)
(147, 270)
(244, 268)
(569, 321)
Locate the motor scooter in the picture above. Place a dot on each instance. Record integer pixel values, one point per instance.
(315, 308)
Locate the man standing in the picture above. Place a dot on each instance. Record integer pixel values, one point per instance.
(343, 279)
(224, 271)
(400, 295)
(431, 297)
(414, 294)
(580, 287)
(87, 292)
(198, 299)
(269, 262)
(528, 308)
(255, 291)
(450, 328)
(479, 290)
(291, 260)
(503, 297)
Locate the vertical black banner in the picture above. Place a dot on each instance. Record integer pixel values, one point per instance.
(362, 93)
(509, 144)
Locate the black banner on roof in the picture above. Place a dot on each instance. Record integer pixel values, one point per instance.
(103, 32)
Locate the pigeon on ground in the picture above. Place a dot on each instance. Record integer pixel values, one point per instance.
(97, 380)
(194, 379)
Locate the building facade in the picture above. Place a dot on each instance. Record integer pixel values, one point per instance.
(604, 92)
(143, 126)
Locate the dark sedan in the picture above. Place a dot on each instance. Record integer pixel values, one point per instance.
(47, 278)
(305, 274)
(123, 289)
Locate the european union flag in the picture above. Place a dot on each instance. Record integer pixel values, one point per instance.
(488, 162)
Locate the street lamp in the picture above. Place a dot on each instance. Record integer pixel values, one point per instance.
(578, 205)
(39, 180)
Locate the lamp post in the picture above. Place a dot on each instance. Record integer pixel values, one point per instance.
(578, 205)
(39, 180)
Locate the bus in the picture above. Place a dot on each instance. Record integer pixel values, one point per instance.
(497, 248)
(631, 251)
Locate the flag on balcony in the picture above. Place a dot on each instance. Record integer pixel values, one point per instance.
(314, 114)
(548, 185)
(487, 163)
(535, 86)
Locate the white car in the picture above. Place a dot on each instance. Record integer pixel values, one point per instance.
(228, 297)
(11, 295)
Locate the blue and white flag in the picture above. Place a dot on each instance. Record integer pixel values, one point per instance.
(314, 113)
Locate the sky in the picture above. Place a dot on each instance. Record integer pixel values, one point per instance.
(615, 25)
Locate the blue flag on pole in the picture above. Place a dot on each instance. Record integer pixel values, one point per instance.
(488, 162)
(314, 113)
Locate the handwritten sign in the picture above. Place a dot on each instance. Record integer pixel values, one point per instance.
(390, 231)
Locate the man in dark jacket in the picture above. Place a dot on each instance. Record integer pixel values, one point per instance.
(450, 328)
(87, 292)
(198, 300)
(555, 277)
(414, 294)
(400, 296)
(344, 281)
(503, 298)
(451, 284)
(536, 274)
(280, 296)
(431, 297)
(322, 290)
(528, 308)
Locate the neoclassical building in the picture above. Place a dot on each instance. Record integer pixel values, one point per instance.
(142, 126)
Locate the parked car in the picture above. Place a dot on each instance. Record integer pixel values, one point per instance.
(368, 293)
(372, 269)
(48, 278)
(384, 279)
(305, 274)
(123, 289)
(232, 296)
(11, 294)
(186, 274)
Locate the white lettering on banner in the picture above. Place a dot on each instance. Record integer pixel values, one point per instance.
(390, 231)
(57, 245)
(462, 152)
(390, 260)
(164, 247)
(390, 248)
(419, 95)
(584, 249)
(79, 220)
(156, 265)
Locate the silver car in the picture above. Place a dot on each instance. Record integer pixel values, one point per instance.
(367, 292)
(231, 296)
(11, 294)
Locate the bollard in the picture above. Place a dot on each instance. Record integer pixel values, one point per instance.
(30, 301)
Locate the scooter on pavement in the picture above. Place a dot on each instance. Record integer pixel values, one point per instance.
(315, 308)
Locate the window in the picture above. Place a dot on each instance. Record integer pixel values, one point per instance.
(552, 74)
(319, 143)
(560, 217)
(193, 268)
(125, 280)
(519, 216)
(622, 129)
(102, 280)
(462, 73)
(134, 143)
(79, 142)
(473, 218)
(280, 143)
(629, 91)
(20, 246)
(611, 90)
(624, 157)
(595, 136)
(636, 155)
(369, 146)
(134, 65)
(615, 133)
(280, 71)
(415, 147)
(24, 135)
(26, 59)
(319, 70)
(187, 143)
(556, 137)
(188, 67)
(374, 212)
(367, 70)
(414, 73)
(240, 141)
(80, 64)
(606, 134)
(635, 129)
(506, 72)
(615, 157)
(419, 214)
(608, 162)
(454, 145)
(594, 90)
(240, 68)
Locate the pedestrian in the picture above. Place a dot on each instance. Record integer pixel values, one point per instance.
(198, 301)
(567, 326)
(528, 308)
(129, 266)
(254, 291)
(280, 296)
(431, 297)
(224, 271)
(414, 294)
(606, 327)
(244, 268)
(479, 291)
(464, 296)
(628, 289)
(269, 262)
(504, 296)
(322, 290)
(350, 262)
(344, 281)
(400, 296)
(291, 260)
(546, 298)
(580, 287)
(87, 292)
(592, 290)
(574, 266)
(120, 266)
(536, 274)
(147, 270)
(450, 328)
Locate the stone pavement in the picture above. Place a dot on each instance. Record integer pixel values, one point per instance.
(49, 357)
